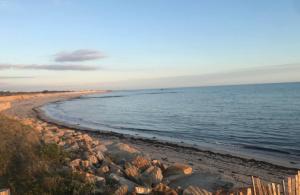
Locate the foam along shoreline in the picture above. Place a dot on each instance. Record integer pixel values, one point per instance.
(209, 167)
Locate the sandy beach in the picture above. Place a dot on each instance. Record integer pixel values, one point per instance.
(210, 169)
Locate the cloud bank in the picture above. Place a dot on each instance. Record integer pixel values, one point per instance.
(78, 56)
(52, 67)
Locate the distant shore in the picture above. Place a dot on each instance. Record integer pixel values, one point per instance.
(215, 167)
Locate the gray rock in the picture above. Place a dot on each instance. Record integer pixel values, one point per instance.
(152, 176)
(141, 162)
(72, 148)
(99, 156)
(100, 147)
(121, 152)
(123, 182)
(99, 181)
(132, 172)
(178, 169)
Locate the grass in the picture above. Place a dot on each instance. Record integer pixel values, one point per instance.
(28, 166)
(8, 93)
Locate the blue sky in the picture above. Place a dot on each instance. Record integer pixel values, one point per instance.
(146, 40)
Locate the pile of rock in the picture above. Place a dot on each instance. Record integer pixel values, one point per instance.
(114, 167)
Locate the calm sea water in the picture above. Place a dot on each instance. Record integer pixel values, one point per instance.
(254, 120)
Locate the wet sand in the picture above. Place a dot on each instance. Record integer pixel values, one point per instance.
(209, 167)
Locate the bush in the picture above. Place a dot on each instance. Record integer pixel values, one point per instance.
(29, 167)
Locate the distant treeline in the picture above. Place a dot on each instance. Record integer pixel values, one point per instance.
(8, 93)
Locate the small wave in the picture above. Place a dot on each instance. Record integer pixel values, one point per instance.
(100, 97)
(138, 129)
(156, 93)
(265, 149)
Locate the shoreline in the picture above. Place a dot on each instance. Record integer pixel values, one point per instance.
(110, 134)
(223, 167)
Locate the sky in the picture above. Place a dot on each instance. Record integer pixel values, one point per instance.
(127, 44)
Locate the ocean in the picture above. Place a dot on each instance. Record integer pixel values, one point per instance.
(258, 121)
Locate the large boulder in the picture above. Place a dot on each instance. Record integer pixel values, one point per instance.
(159, 164)
(114, 168)
(152, 176)
(132, 173)
(99, 156)
(100, 181)
(100, 147)
(121, 181)
(120, 153)
(178, 169)
(141, 162)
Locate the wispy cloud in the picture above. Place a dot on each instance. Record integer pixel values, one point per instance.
(53, 67)
(78, 55)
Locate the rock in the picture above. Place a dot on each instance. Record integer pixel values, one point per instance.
(194, 190)
(84, 145)
(99, 155)
(39, 128)
(100, 147)
(102, 170)
(86, 138)
(95, 143)
(126, 148)
(99, 181)
(51, 139)
(121, 190)
(141, 162)
(52, 128)
(178, 169)
(152, 176)
(132, 172)
(121, 152)
(115, 168)
(68, 134)
(123, 182)
(75, 164)
(142, 190)
(163, 189)
(93, 159)
(85, 163)
(27, 122)
(69, 141)
(72, 148)
(60, 133)
(159, 164)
